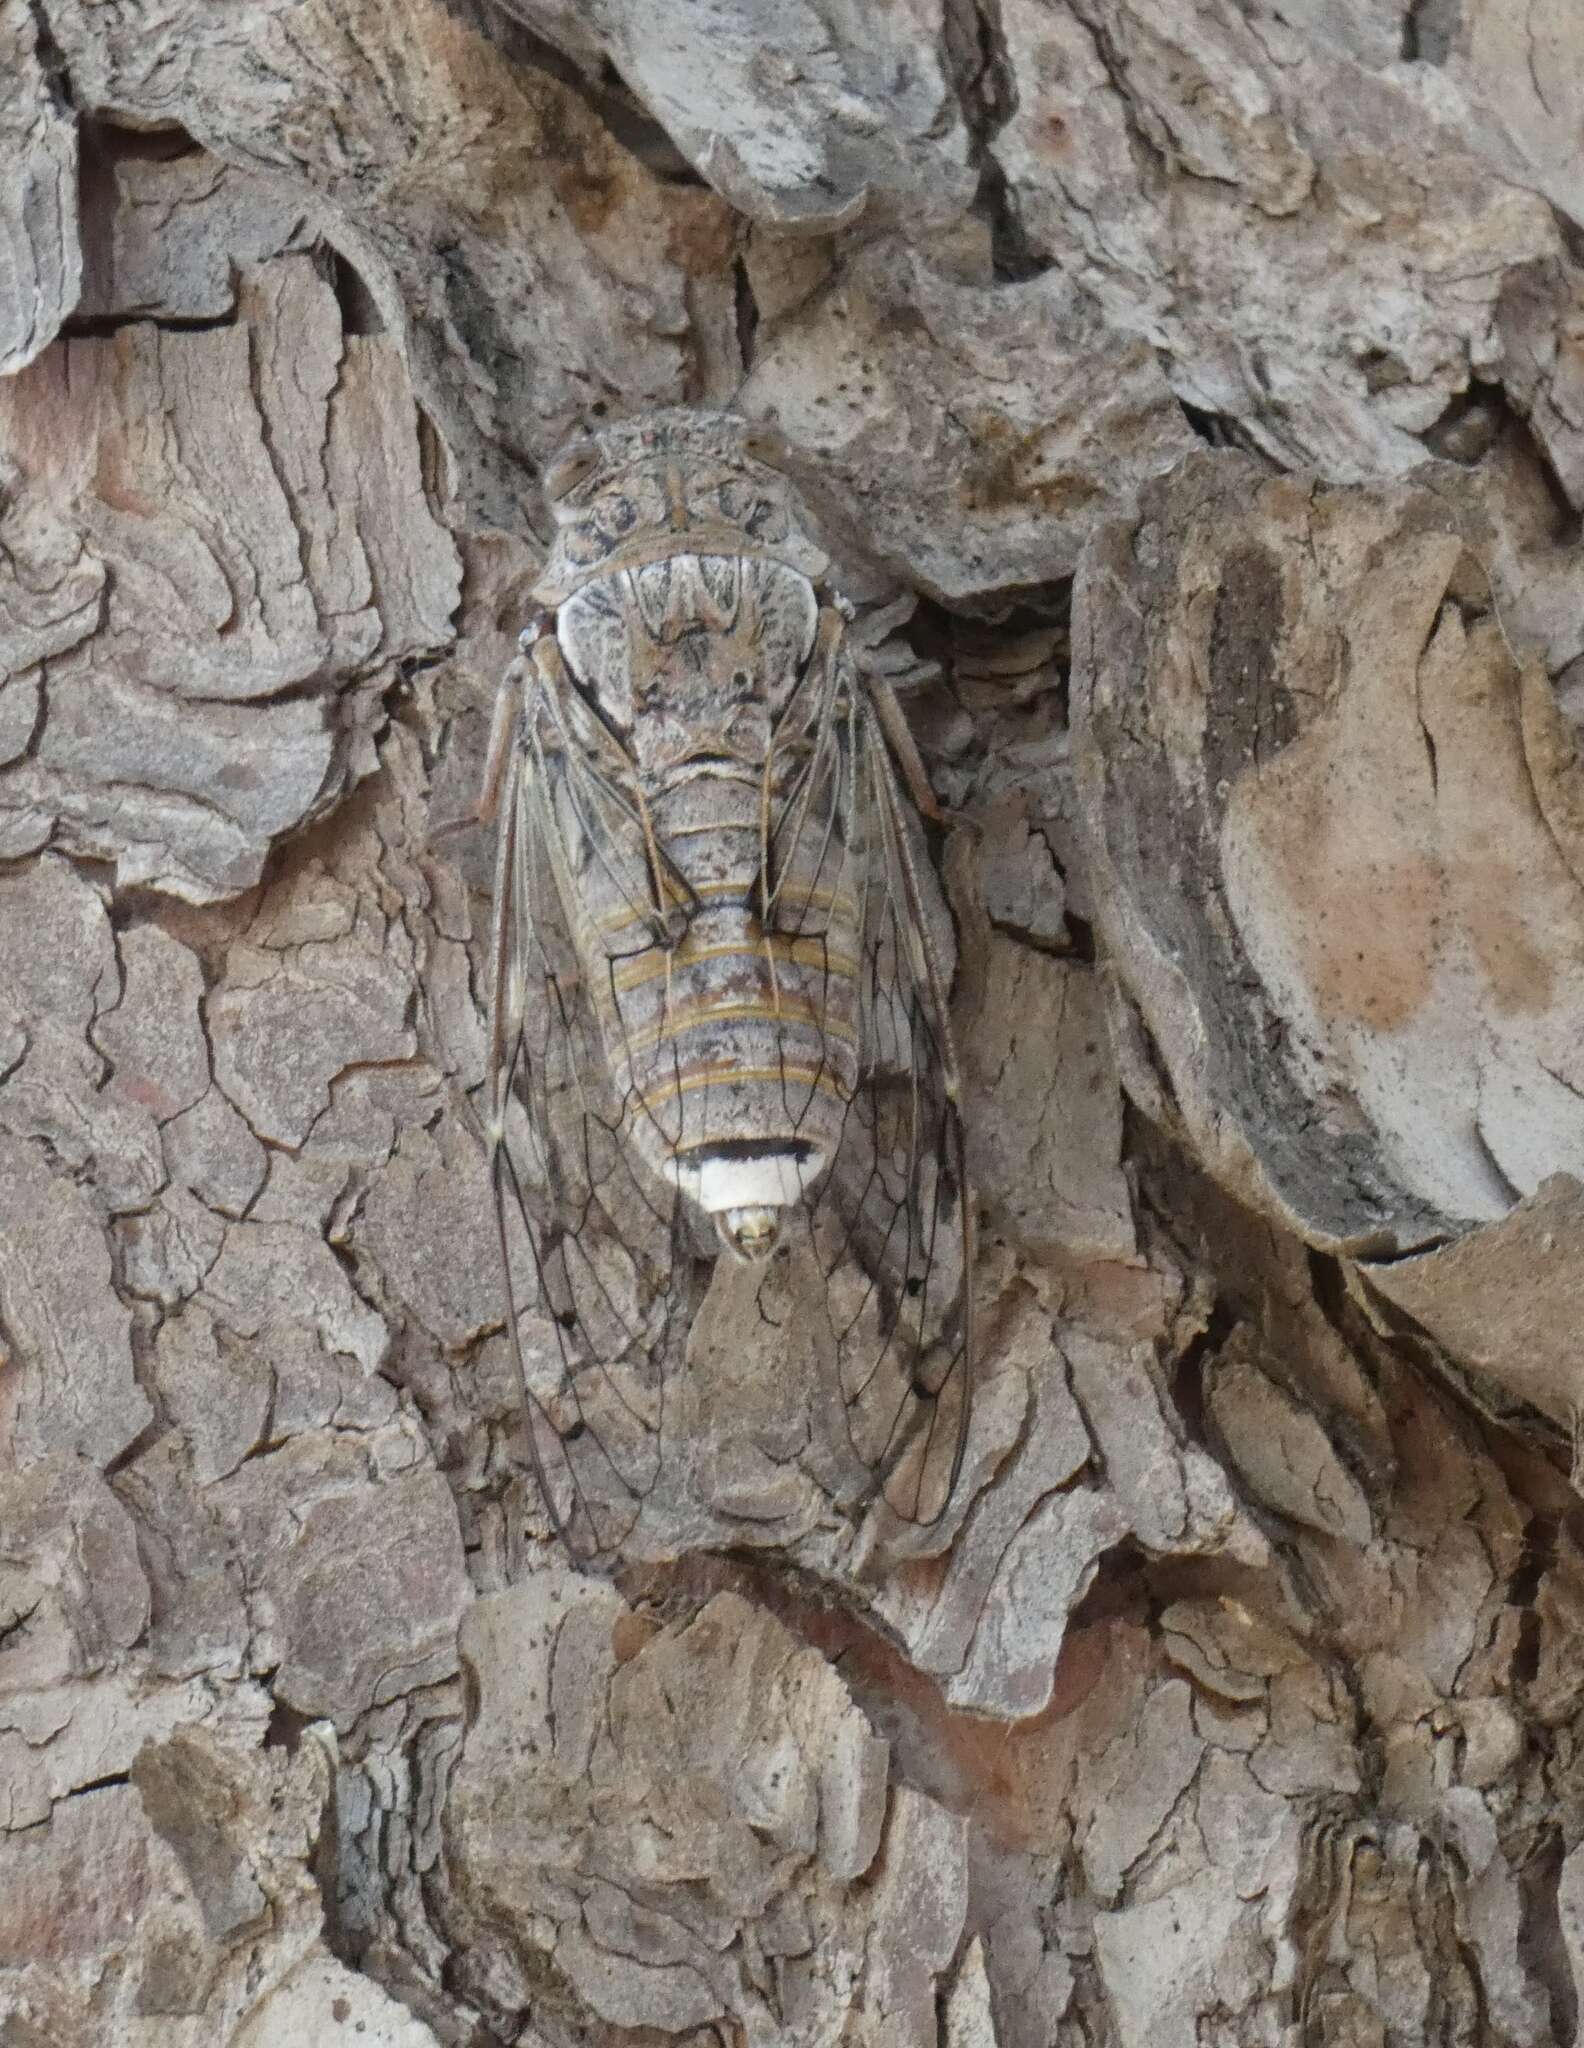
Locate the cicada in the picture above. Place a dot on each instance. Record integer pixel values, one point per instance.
(718, 1016)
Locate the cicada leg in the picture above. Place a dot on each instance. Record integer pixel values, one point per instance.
(508, 702)
(503, 720)
(904, 751)
(904, 747)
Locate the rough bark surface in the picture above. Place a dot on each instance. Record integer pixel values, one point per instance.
(1193, 397)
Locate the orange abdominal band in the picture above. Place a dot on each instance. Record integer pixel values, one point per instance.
(691, 1079)
(787, 900)
(655, 962)
(691, 1016)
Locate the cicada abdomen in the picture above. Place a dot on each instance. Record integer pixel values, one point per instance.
(717, 1015)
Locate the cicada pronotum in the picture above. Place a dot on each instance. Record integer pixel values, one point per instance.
(718, 1018)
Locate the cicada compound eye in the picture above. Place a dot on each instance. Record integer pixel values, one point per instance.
(573, 466)
(767, 444)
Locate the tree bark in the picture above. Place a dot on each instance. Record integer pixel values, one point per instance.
(1192, 398)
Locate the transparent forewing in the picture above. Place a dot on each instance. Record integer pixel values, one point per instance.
(892, 1225)
(808, 861)
(588, 1240)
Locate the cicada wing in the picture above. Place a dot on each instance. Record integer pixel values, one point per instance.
(588, 1239)
(894, 1222)
(807, 862)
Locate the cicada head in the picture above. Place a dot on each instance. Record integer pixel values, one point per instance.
(671, 483)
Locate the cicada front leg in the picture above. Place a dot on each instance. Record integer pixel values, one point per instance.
(904, 749)
(509, 702)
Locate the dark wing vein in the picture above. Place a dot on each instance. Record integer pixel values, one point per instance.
(893, 1221)
(588, 1245)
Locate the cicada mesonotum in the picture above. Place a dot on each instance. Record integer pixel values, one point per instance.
(717, 1013)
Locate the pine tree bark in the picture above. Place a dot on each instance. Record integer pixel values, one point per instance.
(1193, 401)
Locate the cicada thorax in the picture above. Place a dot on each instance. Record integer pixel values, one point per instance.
(720, 954)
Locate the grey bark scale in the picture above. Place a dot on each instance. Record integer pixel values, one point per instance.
(1190, 405)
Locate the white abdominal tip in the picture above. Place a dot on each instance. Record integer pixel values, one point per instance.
(775, 1181)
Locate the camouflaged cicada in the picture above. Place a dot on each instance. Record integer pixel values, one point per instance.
(717, 1013)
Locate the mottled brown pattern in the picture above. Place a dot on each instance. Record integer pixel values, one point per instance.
(1237, 1701)
(716, 998)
